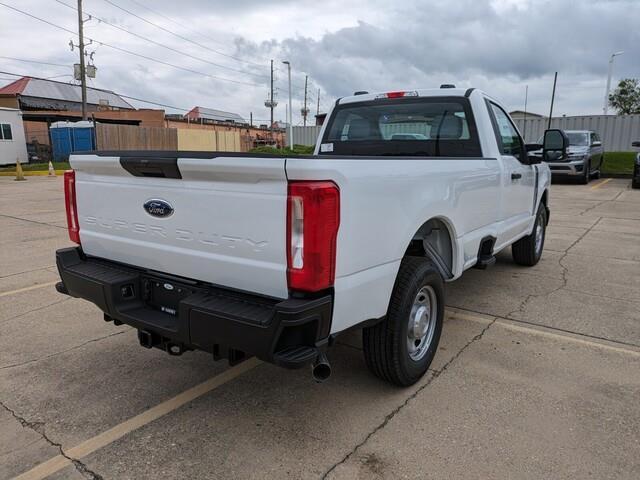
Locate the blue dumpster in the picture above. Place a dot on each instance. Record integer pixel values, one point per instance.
(68, 137)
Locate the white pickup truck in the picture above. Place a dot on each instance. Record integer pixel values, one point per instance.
(247, 255)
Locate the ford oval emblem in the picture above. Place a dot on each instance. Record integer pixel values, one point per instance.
(158, 208)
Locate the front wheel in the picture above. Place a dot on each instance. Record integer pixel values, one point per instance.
(401, 347)
(586, 173)
(528, 250)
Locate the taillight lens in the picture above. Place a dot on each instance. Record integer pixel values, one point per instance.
(313, 218)
(70, 202)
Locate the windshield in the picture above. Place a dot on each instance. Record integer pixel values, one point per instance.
(435, 126)
(577, 139)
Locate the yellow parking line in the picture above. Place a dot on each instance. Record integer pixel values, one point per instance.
(103, 439)
(26, 289)
(598, 185)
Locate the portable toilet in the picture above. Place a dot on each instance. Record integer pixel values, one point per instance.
(68, 137)
(83, 136)
(61, 140)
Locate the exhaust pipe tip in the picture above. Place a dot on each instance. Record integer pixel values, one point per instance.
(321, 368)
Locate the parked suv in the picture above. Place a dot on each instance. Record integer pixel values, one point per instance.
(584, 159)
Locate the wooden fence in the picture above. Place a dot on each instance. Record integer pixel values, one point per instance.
(130, 137)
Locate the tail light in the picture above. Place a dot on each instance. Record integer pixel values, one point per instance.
(70, 202)
(313, 218)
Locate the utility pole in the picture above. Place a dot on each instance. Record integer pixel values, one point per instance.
(271, 103)
(605, 109)
(318, 106)
(288, 64)
(83, 76)
(553, 96)
(524, 120)
(305, 110)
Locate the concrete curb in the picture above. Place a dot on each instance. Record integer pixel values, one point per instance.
(36, 173)
(602, 175)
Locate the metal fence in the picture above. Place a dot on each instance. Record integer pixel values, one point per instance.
(304, 135)
(616, 131)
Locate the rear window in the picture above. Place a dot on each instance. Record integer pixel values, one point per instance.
(409, 126)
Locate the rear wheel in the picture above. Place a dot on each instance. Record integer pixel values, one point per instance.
(400, 348)
(528, 250)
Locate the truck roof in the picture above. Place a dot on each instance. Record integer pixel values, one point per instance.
(422, 92)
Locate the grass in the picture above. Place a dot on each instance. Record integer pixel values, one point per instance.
(37, 167)
(618, 163)
(285, 152)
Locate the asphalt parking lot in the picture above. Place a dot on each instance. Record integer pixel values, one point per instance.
(537, 376)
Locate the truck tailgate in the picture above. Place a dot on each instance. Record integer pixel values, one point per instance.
(227, 225)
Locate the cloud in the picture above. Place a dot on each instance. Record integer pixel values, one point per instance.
(497, 45)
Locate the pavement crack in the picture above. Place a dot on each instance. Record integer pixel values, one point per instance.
(38, 427)
(435, 374)
(565, 280)
(32, 221)
(594, 206)
(34, 310)
(75, 347)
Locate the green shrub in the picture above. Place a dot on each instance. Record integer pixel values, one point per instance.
(286, 152)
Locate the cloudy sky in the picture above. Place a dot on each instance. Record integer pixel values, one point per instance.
(216, 53)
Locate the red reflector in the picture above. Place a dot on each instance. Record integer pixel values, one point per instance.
(70, 202)
(395, 94)
(313, 218)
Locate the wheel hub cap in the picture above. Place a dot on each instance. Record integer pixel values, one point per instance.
(539, 236)
(422, 321)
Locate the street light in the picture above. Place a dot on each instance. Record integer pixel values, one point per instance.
(290, 119)
(605, 110)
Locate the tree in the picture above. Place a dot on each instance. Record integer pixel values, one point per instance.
(626, 97)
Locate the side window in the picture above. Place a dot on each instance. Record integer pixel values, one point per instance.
(509, 140)
(594, 138)
(5, 132)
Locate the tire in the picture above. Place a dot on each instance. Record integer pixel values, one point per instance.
(525, 251)
(386, 345)
(586, 174)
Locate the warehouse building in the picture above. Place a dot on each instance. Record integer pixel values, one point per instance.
(202, 113)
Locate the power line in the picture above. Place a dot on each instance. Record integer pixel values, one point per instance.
(36, 61)
(182, 25)
(186, 39)
(128, 97)
(119, 94)
(129, 52)
(160, 44)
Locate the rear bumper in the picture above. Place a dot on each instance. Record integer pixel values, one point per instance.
(179, 314)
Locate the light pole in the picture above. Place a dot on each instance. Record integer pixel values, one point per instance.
(290, 119)
(605, 110)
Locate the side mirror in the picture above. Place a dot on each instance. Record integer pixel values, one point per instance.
(554, 145)
(597, 143)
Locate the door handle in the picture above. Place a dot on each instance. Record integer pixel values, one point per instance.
(516, 176)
